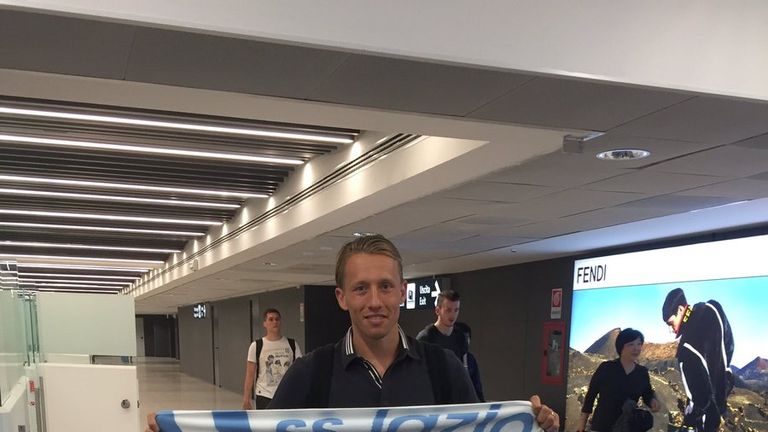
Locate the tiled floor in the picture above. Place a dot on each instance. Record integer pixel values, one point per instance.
(162, 386)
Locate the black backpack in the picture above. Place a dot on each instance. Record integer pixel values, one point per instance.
(322, 373)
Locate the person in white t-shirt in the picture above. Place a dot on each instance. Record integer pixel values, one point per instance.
(268, 359)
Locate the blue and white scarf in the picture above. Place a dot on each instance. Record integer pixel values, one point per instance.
(513, 416)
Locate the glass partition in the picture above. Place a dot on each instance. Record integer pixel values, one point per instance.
(75, 328)
(13, 345)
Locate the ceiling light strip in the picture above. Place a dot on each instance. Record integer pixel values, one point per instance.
(125, 260)
(178, 125)
(104, 229)
(118, 198)
(75, 291)
(109, 217)
(80, 276)
(91, 247)
(120, 284)
(149, 150)
(344, 170)
(84, 267)
(128, 186)
(65, 285)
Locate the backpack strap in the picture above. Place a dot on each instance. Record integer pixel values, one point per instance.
(437, 365)
(321, 375)
(292, 343)
(259, 347)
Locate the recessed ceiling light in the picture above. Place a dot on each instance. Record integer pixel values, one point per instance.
(91, 247)
(623, 154)
(127, 186)
(85, 267)
(304, 136)
(110, 217)
(118, 198)
(64, 257)
(105, 229)
(149, 150)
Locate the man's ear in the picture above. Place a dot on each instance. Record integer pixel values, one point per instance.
(340, 298)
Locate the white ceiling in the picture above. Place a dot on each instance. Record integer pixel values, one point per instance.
(501, 193)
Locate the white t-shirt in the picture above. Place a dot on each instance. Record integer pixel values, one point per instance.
(276, 357)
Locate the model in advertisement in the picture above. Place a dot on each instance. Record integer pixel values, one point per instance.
(704, 355)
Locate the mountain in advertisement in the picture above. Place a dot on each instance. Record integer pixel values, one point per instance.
(747, 404)
(754, 374)
(605, 345)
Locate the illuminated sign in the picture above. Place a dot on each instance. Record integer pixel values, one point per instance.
(200, 311)
(422, 293)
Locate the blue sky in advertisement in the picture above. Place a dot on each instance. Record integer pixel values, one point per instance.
(596, 311)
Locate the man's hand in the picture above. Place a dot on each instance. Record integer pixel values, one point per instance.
(151, 423)
(247, 404)
(545, 417)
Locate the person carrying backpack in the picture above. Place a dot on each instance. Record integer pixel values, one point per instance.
(268, 360)
(376, 364)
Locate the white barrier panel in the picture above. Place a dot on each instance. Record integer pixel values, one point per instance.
(13, 414)
(512, 416)
(106, 395)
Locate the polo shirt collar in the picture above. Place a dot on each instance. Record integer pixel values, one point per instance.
(349, 349)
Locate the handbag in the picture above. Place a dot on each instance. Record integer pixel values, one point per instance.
(633, 419)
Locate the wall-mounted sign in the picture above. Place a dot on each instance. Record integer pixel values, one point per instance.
(200, 311)
(556, 304)
(422, 293)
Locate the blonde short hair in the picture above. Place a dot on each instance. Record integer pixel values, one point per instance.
(371, 244)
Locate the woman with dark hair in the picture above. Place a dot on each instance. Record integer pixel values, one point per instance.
(617, 381)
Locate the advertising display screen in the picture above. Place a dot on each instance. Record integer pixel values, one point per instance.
(724, 325)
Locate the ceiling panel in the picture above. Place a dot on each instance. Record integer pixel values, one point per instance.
(220, 63)
(498, 192)
(576, 104)
(649, 182)
(759, 142)
(703, 119)
(725, 161)
(679, 203)
(406, 85)
(742, 189)
(412, 216)
(564, 203)
(63, 45)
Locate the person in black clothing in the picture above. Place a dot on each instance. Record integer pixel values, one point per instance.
(375, 364)
(442, 332)
(616, 381)
(704, 355)
(452, 335)
(470, 362)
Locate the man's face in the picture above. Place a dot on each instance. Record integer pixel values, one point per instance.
(448, 312)
(272, 322)
(675, 321)
(372, 293)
